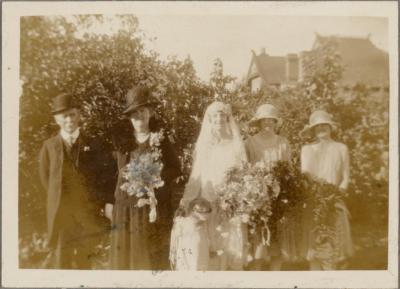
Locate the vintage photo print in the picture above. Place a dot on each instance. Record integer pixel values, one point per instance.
(200, 144)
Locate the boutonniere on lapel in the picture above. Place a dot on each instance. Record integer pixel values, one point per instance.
(86, 148)
(142, 175)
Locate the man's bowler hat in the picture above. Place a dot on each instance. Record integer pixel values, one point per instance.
(62, 102)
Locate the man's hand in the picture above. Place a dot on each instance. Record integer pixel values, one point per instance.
(108, 210)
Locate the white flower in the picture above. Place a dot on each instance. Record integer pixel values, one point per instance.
(269, 179)
(152, 215)
(276, 188)
(86, 148)
(142, 202)
(224, 206)
(156, 138)
(245, 218)
(247, 178)
(260, 165)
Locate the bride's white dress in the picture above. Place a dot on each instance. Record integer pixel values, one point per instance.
(228, 238)
(214, 157)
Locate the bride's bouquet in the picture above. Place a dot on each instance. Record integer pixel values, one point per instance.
(247, 194)
(142, 176)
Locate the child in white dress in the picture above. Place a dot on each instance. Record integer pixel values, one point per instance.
(189, 238)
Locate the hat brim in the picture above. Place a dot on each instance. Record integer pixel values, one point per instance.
(62, 109)
(307, 130)
(134, 107)
(255, 120)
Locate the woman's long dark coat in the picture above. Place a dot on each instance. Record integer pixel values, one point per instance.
(135, 242)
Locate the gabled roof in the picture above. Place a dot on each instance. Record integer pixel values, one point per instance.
(362, 60)
(270, 68)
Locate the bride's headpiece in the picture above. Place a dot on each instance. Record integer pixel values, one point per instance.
(207, 137)
(208, 140)
(218, 106)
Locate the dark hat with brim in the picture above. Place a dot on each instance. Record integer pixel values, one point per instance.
(62, 102)
(137, 97)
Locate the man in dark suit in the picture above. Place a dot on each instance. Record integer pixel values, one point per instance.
(73, 170)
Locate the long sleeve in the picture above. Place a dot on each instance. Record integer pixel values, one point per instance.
(303, 160)
(108, 173)
(171, 162)
(249, 150)
(287, 154)
(44, 166)
(346, 169)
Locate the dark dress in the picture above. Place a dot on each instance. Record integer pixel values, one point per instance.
(135, 242)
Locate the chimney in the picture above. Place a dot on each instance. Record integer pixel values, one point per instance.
(262, 51)
(292, 68)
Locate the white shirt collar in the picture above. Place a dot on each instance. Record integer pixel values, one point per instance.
(67, 136)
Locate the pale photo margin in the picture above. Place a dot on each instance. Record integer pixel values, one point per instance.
(12, 276)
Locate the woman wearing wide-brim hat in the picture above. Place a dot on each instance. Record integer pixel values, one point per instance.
(326, 160)
(269, 147)
(138, 241)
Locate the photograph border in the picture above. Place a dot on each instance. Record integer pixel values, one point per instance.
(12, 276)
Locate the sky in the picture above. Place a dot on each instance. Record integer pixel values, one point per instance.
(231, 38)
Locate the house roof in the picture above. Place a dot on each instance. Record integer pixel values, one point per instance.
(362, 60)
(270, 68)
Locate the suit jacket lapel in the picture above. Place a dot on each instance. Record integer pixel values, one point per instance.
(58, 147)
(80, 142)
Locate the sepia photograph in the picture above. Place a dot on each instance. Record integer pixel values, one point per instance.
(200, 142)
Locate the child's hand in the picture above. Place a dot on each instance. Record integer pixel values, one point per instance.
(180, 212)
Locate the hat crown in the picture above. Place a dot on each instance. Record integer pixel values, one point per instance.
(316, 118)
(62, 102)
(320, 116)
(267, 111)
(137, 96)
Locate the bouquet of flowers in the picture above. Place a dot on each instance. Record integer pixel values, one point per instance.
(142, 176)
(291, 199)
(247, 193)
